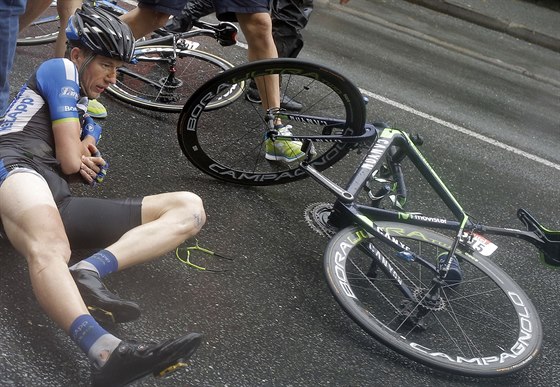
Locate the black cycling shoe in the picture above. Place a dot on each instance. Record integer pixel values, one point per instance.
(103, 305)
(132, 361)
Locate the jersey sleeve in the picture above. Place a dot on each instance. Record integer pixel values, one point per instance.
(58, 84)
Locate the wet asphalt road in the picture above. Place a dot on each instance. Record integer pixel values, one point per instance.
(491, 130)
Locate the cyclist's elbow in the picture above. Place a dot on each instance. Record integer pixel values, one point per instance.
(70, 166)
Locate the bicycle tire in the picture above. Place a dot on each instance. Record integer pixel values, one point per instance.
(229, 143)
(143, 84)
(486, 326)
(43, 30)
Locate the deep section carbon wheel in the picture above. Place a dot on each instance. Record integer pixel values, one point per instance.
(483, 326)
(235, 143)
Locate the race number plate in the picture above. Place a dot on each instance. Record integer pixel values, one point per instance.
(479, 244)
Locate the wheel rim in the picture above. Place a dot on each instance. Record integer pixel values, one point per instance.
(475, 328)
(42, 30)
(231, 143)
(156, 82)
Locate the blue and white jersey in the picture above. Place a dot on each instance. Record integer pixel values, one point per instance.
(51, 95)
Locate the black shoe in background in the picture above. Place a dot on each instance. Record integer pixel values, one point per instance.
(286, 102)
(289, 103)
(252, 93)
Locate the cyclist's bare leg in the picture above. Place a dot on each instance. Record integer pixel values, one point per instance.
(34, 227)
(168, 219)
(65, 9)
(257, 29)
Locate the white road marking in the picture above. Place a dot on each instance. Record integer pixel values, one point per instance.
(461, 129)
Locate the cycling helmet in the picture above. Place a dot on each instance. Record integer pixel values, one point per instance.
(101, 32)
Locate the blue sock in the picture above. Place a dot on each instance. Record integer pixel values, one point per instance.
(104, 262)
(95, 341)
(85, 331)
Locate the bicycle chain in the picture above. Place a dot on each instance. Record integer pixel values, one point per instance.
(317, 216)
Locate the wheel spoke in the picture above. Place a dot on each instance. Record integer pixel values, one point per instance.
(158, 82)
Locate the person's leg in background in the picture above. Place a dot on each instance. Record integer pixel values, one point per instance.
(143, 20)
(289, 17)
(257, 29)
(33, 10)
(65, 9)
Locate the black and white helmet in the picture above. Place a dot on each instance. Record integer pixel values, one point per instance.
(100, 32)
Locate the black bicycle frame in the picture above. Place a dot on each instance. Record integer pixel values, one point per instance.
(383, 141)
(387, 143)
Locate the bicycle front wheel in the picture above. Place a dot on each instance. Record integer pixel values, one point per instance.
(42, 30)
(483, 326)
(234, 143)
(163, 78)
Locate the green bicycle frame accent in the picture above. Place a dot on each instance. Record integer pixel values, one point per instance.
(385, 141)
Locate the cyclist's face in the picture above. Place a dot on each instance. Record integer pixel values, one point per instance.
(98, 75)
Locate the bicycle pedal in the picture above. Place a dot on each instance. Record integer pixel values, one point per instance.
(169, 369)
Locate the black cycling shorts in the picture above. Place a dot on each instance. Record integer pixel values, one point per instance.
(90, 223)
(93, 223)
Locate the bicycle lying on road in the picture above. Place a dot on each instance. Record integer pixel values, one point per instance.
(167, 68)
(433, 296)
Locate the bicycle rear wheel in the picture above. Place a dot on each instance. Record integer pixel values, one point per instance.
(43, 30)
(484, 326)
(229, 143)
(164, 78)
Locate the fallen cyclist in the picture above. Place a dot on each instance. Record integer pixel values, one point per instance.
(45, 140)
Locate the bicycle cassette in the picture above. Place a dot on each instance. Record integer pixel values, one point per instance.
(317, 217)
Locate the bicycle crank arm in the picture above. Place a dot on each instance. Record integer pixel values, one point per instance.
(341, 194)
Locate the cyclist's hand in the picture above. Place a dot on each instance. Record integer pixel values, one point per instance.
(90, 128)
(94, 167)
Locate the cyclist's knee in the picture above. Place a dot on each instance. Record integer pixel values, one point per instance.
(192, 212)
(41, 255)
(257, 26)
(184, 209)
